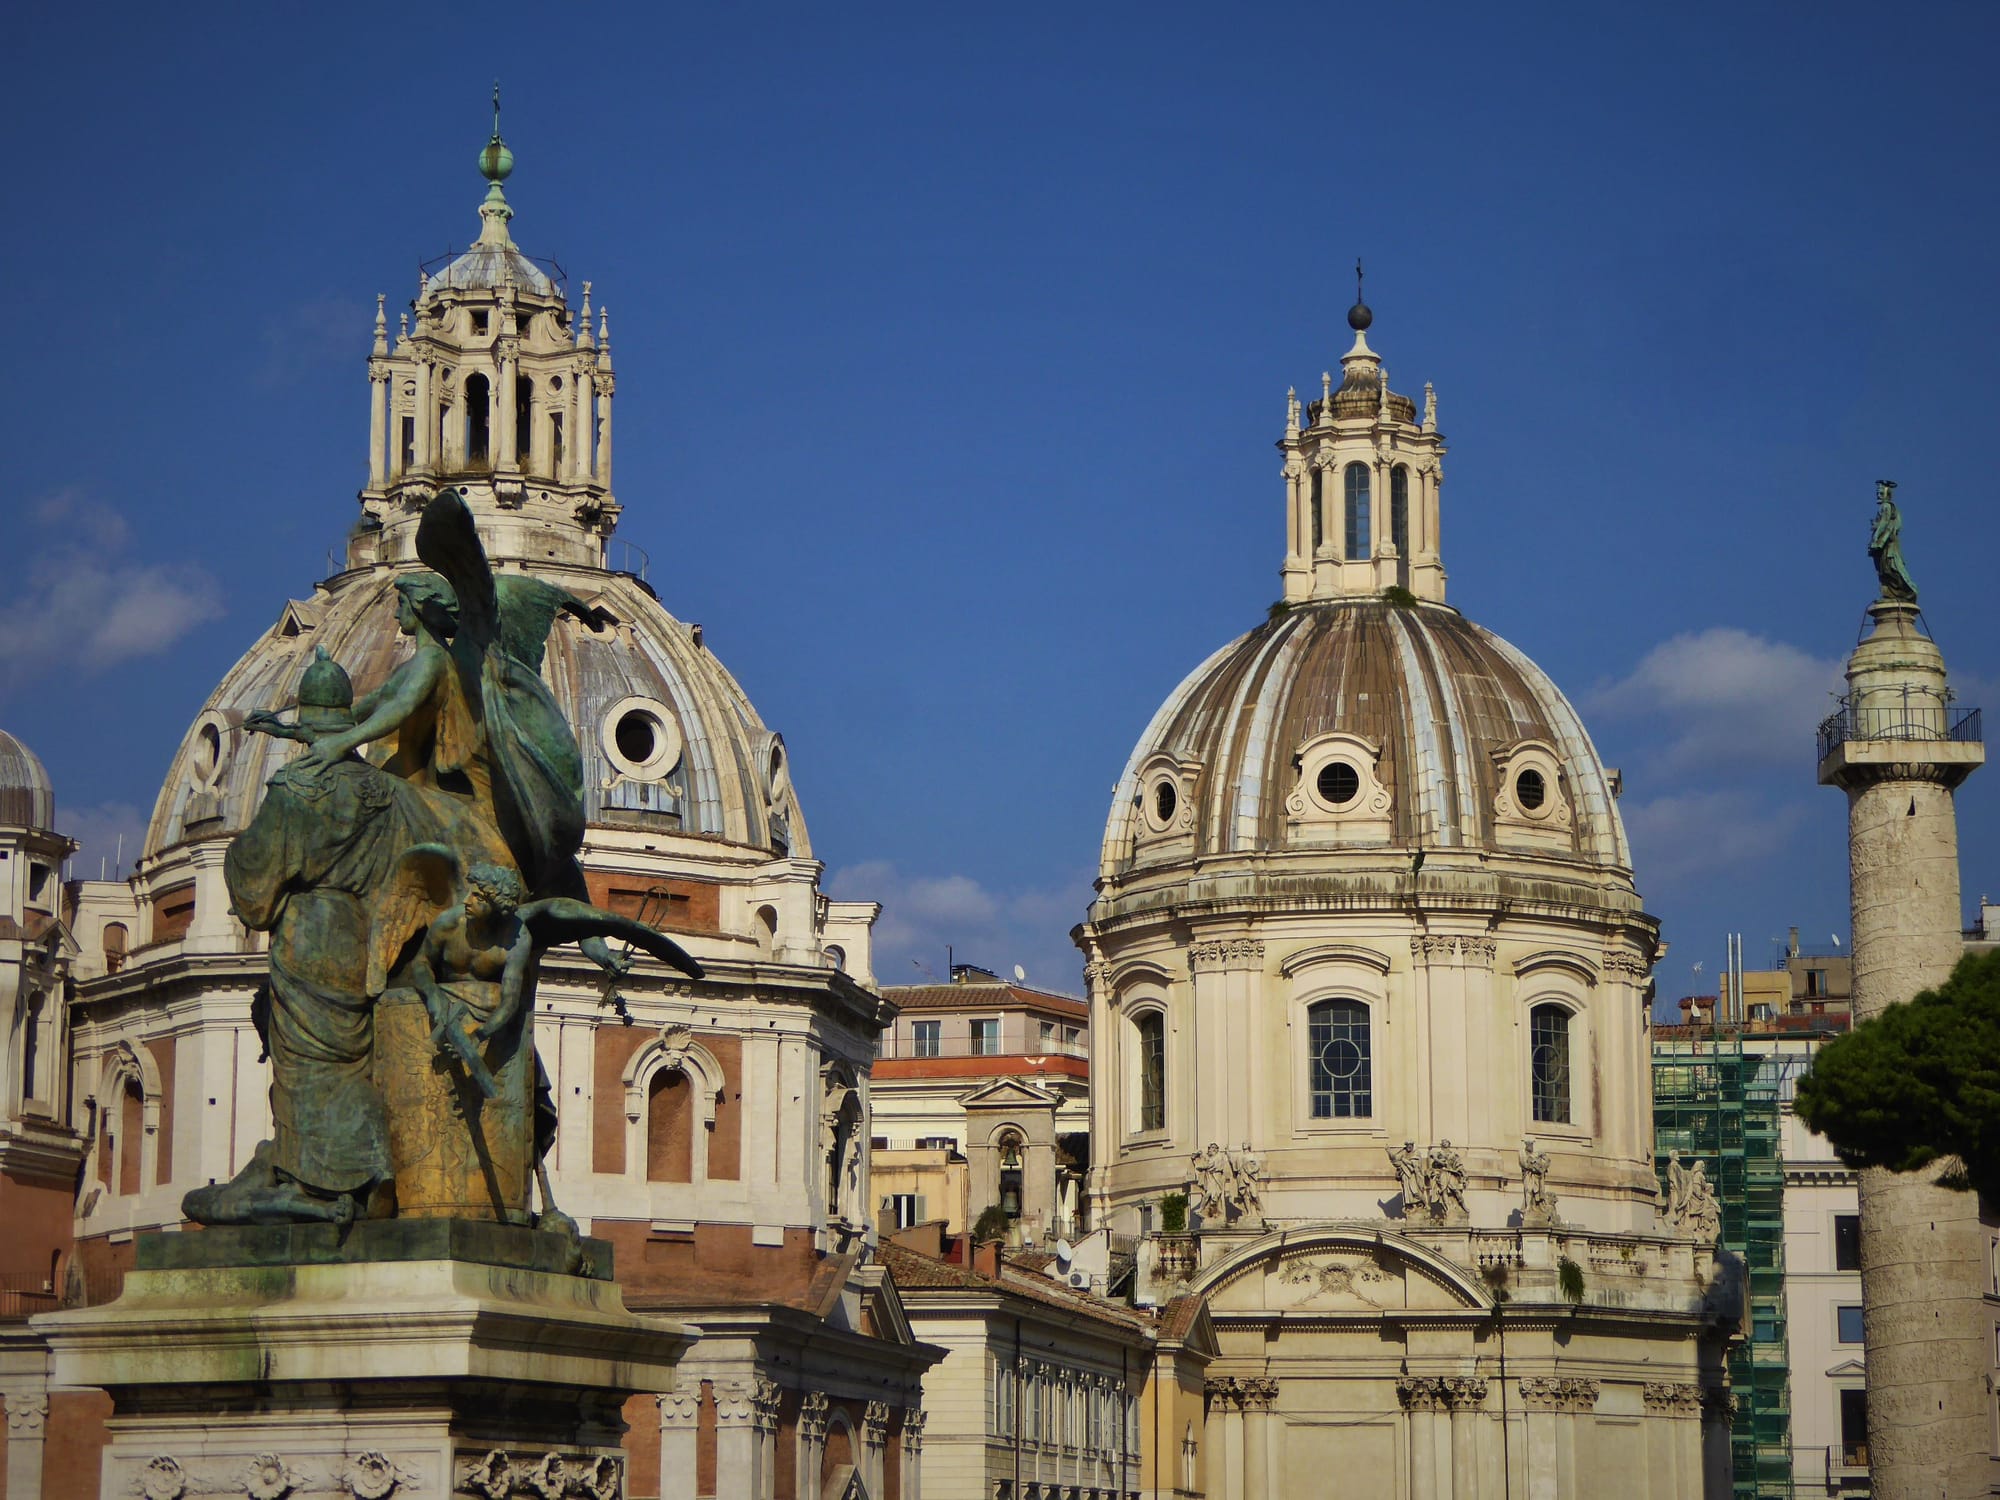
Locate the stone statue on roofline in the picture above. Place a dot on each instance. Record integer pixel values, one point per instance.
(409, 901)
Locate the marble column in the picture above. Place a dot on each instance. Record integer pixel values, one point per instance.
(27, 1426)
(680, 1415)
(1465, 1395)
(738, 1474)
(913, 1454)
(1259, 1395)
(378, 424)
(1225, 1440)
(426, 416)
(604, 430)
(812, 1443)
(874, 1444)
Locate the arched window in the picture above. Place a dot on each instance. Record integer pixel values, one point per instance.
(1399, 518)
(478, 419)
(1360, 543)
(1010, 1148)
(131, 1132)
(116, 938)
(1548, 1062)
(1319, 508)
(670, 1127)
(1152, 1029)
(1340, 1060)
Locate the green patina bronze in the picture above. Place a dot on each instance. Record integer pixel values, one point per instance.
(1885, 546)
(438, 872)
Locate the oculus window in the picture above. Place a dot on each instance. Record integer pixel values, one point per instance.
(1548, 1067)
(1338, 783)
(1337, 1034)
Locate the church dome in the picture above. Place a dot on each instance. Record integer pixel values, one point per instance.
(670, 742)
(1358, 722)
(27, 796)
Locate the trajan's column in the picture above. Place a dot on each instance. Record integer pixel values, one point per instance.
(1899, 748)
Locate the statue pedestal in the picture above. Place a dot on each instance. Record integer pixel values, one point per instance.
(405, 1358)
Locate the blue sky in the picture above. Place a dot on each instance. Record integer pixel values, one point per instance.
(951, 346)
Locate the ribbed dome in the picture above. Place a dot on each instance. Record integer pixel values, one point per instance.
(1451, 708)
(27, 797)
(694, 758)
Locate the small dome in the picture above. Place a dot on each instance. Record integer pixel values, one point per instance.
(1454, 713)
(488, 266)
(27, 796)
(669, 741)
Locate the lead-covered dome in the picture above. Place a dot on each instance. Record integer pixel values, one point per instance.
(27, 796)
(670, 741)
(1363, 723)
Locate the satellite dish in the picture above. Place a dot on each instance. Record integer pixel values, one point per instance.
(1019, 973)
(1064, 1251)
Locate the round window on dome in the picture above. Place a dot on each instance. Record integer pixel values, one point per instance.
(641, 738)
(207, 758)
(1165, 800)
(1338, 783)
(1531, 790)
(637, 734)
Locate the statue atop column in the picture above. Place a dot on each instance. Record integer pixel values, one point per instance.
(409, 902)
(1885, 547)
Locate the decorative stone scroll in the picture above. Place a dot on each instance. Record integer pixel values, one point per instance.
(913, 1429)
(1441, 1392)
(1225, 953)
(767, 1396)
(1436, 948)
(813, 1412)
(27, 1414)
(1673, 1398)
(1718, 1405)
(1559, 1393)
(1242, 1393)
(269, 1477)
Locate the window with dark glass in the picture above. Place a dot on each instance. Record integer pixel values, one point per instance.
(1548, 1036)
(1319, 508)
(1342, 1082)
(985, 1038)
(1530, 790)
(1165, 800)
(924, 1038)
(1152, 1029)
(524, 420)
(1359, 542)
(1847, 1324)
(1847, 1242)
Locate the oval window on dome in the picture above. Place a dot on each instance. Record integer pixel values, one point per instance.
(641, 738)
(1531, 790)
(1338, 783)
(1165, 800)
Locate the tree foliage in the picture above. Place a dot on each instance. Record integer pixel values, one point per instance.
(1919, 1083)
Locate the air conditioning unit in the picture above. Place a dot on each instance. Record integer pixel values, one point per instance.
(1079, 1279)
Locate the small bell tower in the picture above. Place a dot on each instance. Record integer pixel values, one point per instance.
(1362, 473)
(498, 388)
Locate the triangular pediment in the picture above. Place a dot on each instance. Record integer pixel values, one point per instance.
(1852, 1367)
(1009, 1093)
(300, 616)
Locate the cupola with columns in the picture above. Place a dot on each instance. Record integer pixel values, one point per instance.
(499, 388)
(1362, 472)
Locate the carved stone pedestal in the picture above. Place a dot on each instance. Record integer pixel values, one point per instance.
(403, 1358)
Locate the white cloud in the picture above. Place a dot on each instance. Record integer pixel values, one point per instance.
(85, 605)
(1686, 838)
(110, 832)
(923, 915)
(1723, 696)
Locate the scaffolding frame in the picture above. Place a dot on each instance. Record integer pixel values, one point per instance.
(1718, 1104)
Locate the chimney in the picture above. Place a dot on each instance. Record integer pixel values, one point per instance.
(1792, 944)
(986, 1259)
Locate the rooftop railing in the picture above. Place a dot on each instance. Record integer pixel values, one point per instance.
(1908, 720)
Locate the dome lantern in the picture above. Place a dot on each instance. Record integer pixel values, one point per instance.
(1361, 480)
